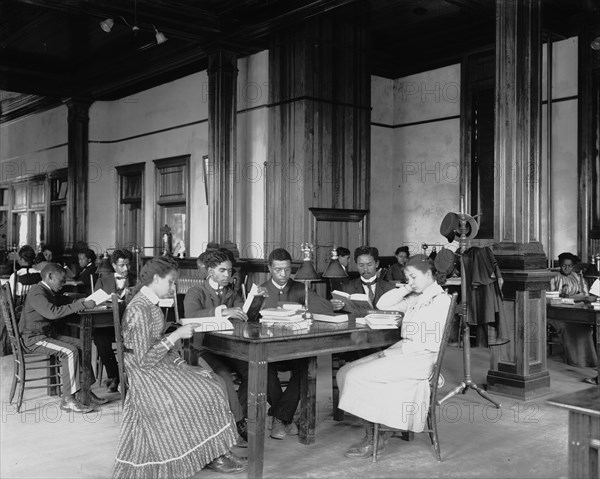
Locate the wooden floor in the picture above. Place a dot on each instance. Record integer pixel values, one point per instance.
(521, 440)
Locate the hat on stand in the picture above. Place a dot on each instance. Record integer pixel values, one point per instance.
(451, 225)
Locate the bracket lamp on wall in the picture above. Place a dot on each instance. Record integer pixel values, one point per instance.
(160, 37)
(108, 24)
(595, 45)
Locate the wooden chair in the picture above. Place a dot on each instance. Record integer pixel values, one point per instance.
(434, 384)
(123, 381)
(24, 361)
(25, 282)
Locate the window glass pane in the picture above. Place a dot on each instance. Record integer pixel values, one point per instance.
(37, 193)
(38, 223)
(3, 229)
(175, 218)
(3, 196)
(20, 196)
(20, 229)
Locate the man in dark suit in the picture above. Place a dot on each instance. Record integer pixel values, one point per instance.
(367, 262)
(119, 282)
(216, 296)
(42, 331)
(280, 288)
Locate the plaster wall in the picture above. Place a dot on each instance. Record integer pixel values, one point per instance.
(415, 160)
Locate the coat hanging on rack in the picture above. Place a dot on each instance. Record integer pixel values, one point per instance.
(484, 296)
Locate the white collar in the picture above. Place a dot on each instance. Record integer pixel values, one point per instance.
(280, 288)
(370, 280)
(214, 285)
(46, 284)
(146, 291)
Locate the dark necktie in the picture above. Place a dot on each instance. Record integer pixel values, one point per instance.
(370, 289)
(219, 292)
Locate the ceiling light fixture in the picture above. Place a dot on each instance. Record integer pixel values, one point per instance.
(160, 37)
(595, 43)
(106, 25)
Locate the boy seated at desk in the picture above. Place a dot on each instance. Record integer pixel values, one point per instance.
(42, 328)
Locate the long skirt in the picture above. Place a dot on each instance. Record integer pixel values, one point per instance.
(393, 390)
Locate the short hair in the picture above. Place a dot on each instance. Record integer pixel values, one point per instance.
(342, 251)
(227, 252)
(39, 258)
(215, 258)
(366, 250)
(401, 249)
(120, 253)
(27, 254)
(201, 261)
(213, 245)
(52, 268)
(89, 254)
(424, 264)
(160, 266)
(45, 247)
(279, 254)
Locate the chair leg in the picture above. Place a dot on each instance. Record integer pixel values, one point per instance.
(21, 386)
(433, 434)
(375, 440)
(13, 387)
(336, 363)
(53, 389)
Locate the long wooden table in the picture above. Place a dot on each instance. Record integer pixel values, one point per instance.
(86, 322)
(581, 312)
(584, 431)
(260, 345)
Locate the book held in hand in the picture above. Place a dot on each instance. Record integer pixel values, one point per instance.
(357, 303)
(99, 296)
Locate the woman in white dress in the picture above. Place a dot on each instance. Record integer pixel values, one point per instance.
(391, 387)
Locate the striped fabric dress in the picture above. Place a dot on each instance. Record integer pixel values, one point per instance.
(175, 421)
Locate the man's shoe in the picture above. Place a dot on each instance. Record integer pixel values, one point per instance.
(242, 428)
(242, 461)
(291, 429)
(73, 405)
(278, 429)
(591, 380)
(113, 385)
(96, 400)
(226, 464)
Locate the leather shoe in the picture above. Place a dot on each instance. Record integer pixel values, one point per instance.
(291, 429)
(278, 429)
(71, 404)
(365, 447)
(113, 385)
(242, 428)
(226, 464)
(591, 380)
(97, 400)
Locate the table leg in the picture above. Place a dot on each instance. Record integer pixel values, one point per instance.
(308, 401)
(257, 409)
(85, 335)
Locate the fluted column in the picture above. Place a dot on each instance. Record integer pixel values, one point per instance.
(222, 101)
(78, 165)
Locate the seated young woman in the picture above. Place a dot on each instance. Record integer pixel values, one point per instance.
(176, 419)
(391, 387)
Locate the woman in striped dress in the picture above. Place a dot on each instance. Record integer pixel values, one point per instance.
(176, 418)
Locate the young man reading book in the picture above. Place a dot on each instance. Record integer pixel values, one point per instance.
(282, 289)
(367, 262)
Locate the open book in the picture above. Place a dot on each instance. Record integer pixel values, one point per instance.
(209, 323)
(357, 303)
(99, 296)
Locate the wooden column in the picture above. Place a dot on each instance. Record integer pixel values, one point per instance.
(78, 165)
(319, 129)
(222, 101)
(518, 369)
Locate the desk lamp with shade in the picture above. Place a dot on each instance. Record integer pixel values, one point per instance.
(306, 274)
(334, 268)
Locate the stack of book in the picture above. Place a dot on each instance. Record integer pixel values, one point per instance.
(383, 320)
(281, 316)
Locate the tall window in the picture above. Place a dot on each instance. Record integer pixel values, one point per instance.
(130, 218)
(28, 211)
(172, 202)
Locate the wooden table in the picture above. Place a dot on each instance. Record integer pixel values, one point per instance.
(86, 322)
(584, 431)
(576, 313)
(259, 345)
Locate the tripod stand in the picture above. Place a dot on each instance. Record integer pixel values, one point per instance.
(467, 382)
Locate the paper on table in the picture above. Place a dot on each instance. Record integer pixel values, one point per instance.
(98, 296)
(595, 289)
(209, 323)
(330, 318)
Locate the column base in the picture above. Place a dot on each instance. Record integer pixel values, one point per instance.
(518, 386)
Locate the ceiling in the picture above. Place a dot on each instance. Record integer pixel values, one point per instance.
(55, 49)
